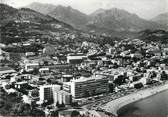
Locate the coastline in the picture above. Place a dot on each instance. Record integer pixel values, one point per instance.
(115, 105)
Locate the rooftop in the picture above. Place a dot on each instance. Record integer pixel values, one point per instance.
(84, 79)
(5, 68)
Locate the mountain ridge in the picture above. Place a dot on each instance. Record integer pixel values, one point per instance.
(22, 24)
(120, 20)
(161, 19)
(102, 20)
(65, 14)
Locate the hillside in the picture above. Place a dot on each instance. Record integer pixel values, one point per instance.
(161, 19)
(154, 36)
(42, 8)
(23, 24)
(112, 21)
(65, 14)
(119, 20)
(7, 13)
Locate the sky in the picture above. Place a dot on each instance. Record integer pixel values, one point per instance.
(146, 9)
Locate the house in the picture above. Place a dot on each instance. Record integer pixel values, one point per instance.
(6, 70)
(31, 66)
(76, 58)
(29, 54)
(60, 67)
(44, 70)
(27, 99)
(21, 85)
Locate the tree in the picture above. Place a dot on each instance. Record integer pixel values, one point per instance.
(37, 113)
(111, 87)
(75, 104)
(138, 85)
(7, 86)
(35, 71)
(35, 93)
(49, 80)
(164, 76)
(120, 80)
(54, 114)
(62, 105)
(75, 114)
(46, 63)
(57, 104)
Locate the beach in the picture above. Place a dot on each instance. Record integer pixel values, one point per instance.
(114, 105)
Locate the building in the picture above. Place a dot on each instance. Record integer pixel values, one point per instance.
(21, 85)
(67, 86)
(63, 97)
(44, 70)
(85, 87)
(31, 66)
(27, 99)
(66, 78)
(47, 92)
(60, 67)
(75, 58)
(29, 54)
(6, 70)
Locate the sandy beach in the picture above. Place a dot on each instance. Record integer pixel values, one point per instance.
(115, 105)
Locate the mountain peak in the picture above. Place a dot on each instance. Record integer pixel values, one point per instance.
(109, 11)
(41, 7)
(98, 11)
(119, 20)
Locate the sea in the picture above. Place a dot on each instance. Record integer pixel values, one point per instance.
(153, 106)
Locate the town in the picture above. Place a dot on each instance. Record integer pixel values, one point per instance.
(48, 68)
(77, 77)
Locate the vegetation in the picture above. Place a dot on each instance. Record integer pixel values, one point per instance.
(23, 49)
(75, 114)
(154, 36)
(12, 105)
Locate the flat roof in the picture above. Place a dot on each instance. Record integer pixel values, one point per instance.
(92, 78)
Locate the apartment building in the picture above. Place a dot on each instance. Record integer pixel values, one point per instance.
(85, 87)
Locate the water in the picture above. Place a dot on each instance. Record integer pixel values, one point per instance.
(154, 106)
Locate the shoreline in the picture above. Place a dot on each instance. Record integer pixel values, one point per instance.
(114, 105)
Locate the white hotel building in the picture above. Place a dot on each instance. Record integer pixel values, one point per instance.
(85, 87)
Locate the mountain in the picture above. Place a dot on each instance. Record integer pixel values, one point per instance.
(19, 25)
(101, 21)
(9, 13)
(70, 15)
(42, 8)
(161, 19)
(65, 14)
(119, 20)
